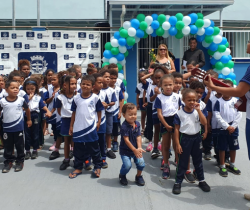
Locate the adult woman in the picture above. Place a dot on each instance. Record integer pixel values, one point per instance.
(164, 59)
(24, 66)
(242, 89)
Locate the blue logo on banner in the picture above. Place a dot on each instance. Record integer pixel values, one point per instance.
(13, 36)
(56, 34)
(91, 36)
(94, 45)
(69, 45)
(69, 65)
(66, 57)
(27, 46)
(96, 64)
(65, 36)
(43, 44)
(30, 34)
(39, 36)
(40, 61)
(53, 46)
(91, 56)
(5, 55)
(78, 46)
(81, 35)
(1, 67)
(1, 46)
(17, 44)
(82, 55)
(4, 34)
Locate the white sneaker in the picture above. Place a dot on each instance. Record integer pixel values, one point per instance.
(52, 148)
(145, 140)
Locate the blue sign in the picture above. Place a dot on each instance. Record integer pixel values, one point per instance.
(65, 36)
(39, 36)
(66, 57)
(4, 34)
(53, 46)
(69, 65)
(78, 46)
(5, 55)
(94, 45)
(81, 35)
(82, 55)
(30, 34)
(17, 44)
(13, 36)
(91, 36)
(56, 34)
(96, 64)
(43, 44)
(27, 46)
(1, 67)
(69, 45)
(91, 56)
(1, 46)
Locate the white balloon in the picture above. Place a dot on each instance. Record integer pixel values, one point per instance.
(120, 76)
(227, 52)
(217, 55)
(123, 62)
(113, 60)
(207, 23)
(217, 39)
(186, 30)
(201, 31)
(122, 49)
(204, 44)
(126, 25)
(149, 30)
(167, 17)
(126, 96)
(105, 60)
(166, 25)
(137, 39)
(221, 32)
(225, 71)
(112, 37)
(166, 34)
(114, 43)
(186, 20)
(131, 31)
(232, 70)
(148, 20)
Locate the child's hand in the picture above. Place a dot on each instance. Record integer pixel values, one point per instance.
(105, 105)
(53, 94)
(119, 115)
(141, 150)
(98, 126)
(196, 106)
(48, 114)
(145, 104)
(71, 131)
(29, 123)
(169, 128)
(178, 149)
(31, 96)
(157, 90)
(138, 107)
(204, 135)
(230, 129)
(138, 153)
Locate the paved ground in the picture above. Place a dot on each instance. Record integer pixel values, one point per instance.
(41, 185)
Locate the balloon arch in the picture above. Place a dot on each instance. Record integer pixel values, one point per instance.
(179, 26)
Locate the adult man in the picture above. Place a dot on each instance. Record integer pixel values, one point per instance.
(193, 54)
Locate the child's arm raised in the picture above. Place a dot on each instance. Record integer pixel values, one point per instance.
(153, 96)
(147, 76)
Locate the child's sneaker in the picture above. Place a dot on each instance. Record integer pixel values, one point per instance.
(162, 164)
(189, 177)
(195, 175)
(139, 180)
(155, 153)
(207, 156)
(234, 170)
(149, 147)
(159, 146)
(34, 155)
(88, 165)
(166, 172)
(115, 146)
(123, 180)
(223, 172)
(71, 154)
(204, 186)
(19, 166)
(65, 165)
(27, 156)
(54, 155)
(104, 164)
(176, 189)
(7, 167)
(111, 154)
(52, 148)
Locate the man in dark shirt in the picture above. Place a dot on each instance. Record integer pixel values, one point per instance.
(194, 54)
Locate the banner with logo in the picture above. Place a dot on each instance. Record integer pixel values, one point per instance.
(57, 50)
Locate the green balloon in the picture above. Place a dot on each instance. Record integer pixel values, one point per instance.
(234, 81)
(229, 79)
(179, 16)
(230, 64)
(227, 44)
(222, 48)
(199, 23)
(105, 64)
(216, 31)
(143, 25)
(130, 41)
(115, 50)
(108, 46)
(125, 102)
(126, 54)
(213, 66)
(145, 35)
(140, 17)
(179, 35)
(161, 19)
(209, 39)
(120, 28)
(180, 25)
(200, 15)
(124, 33)
(124, 82)
(119, 66)
(219, 65)
(210, 52)
(159, 31)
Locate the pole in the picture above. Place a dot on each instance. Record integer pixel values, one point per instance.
(221, 21)
(38, 12)
(13, 14)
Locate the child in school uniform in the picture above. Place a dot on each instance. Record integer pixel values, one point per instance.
(130, 146)
(228, 119)
(188, 140)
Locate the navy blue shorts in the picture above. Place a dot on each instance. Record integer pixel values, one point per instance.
(116, 129)
(156, 121)
(141, 103)
(109, 122)
(65, 126)
(170, 121)
(226, 141)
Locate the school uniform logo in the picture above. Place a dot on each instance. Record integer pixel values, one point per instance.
(91, 56)
(39, 36)
(91, 104)
(82, 55)
(5, 55)
(81, 35)
(236, 142)
(174, 99)
(5, 136)
(231, 105)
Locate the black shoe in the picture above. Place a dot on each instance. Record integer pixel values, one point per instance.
(71, 155)
(54, 155)
(234, 170)
(111, 154)
(223, 172)
(7, 167)
(139, 180)
(207, 156)
(155, 153)
(19, 166)
(34, 155)
(204, 186)
(195, 175)
(123, 180)
(65, 165)
(189, 177)
(27, 155)
(176, 189)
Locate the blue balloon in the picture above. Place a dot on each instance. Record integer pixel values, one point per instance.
(224, 59)
(117, 35)
(230, 57)
(128, 47)
(139, 33)
(155, 24)
(213, 46)
(200, 38)
(209, 31)
(212, 23)
(172, 31)
(120, 57)
(107, 54)
(121, 72)
(221, 76)
(193, 29)
(224, 41)
(213, 61)
(194, 17)
(135, 23)
(231, 75)
(154, 34)
(172, 20)
(154, 16)
(122, 41)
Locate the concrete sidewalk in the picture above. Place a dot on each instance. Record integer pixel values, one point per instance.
(41, 185)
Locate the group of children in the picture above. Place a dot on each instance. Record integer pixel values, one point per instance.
(85, 112)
